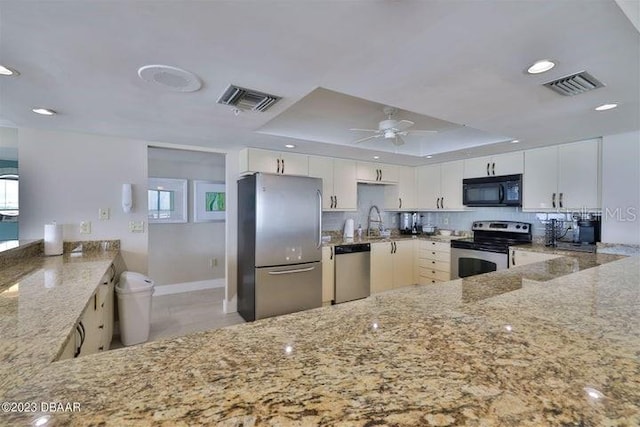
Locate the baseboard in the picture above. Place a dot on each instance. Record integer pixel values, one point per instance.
(188, 287)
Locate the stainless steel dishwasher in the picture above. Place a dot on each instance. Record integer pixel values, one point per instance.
(352, 272)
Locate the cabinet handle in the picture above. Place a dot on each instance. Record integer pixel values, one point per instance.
(513, 257)
(400, 198)
(391, 247)
(101, 348)
(438, 203)
(433, 262)
(101, 327)
(283, 166)
(493, 168)
(553, 200)
(442, 202)
(278, 171)
(488, 164)
(331, 255)
(95, 302)
(335, 198)
(560, 199)
(113, 269)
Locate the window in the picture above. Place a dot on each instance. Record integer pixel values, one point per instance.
(167, 200)
(9, 195)
(161, 204)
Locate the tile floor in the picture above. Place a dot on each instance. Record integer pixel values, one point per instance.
(187, 312)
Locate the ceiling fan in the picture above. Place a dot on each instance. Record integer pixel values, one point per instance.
(391, 129)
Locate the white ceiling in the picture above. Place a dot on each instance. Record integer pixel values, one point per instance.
(460, 61)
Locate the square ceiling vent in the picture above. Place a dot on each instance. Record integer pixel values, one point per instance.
(247, 99)
(574, 84)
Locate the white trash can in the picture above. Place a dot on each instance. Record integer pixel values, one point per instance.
(134, 307)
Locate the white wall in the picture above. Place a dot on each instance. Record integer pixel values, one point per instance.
(621, 188)
(67, 177)
(232, 172)
(180, 253)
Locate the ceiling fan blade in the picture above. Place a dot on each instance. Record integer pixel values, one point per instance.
(358, 141)
(398, 140)
(403, 125)
(422, 131)
(364, 130)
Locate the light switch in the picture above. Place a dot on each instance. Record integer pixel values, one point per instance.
(136, 226)
(85, 227)
(103, 214)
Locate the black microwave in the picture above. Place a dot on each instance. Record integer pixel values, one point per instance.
(503, 190)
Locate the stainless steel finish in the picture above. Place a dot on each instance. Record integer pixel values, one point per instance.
(352, 276)
(283, 290)
(500, 260)
(288, 220)
(369, 220)
(502, 226)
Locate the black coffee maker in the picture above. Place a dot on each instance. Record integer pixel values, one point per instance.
(589, 230)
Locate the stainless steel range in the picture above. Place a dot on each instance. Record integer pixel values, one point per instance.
(488, 250)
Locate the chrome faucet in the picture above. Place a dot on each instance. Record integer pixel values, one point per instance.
(369, 220)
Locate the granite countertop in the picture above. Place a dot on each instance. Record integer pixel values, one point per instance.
(551, 343)
(41, 299)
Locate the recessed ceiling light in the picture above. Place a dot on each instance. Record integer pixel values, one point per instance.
(541, 66)
(376, 157)
(429, 156)
(290, 146)
(515, 141)
(605, 107)
(44, 111)
(6, 71)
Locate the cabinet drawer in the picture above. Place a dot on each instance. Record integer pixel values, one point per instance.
(435, 256)
(435, 246)
(429, 281)
(428, 273)
(435, 265)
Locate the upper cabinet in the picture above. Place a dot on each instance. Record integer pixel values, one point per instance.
(500, 164)
(562, 177)
(339, 186)
(255, 160)
(404, 195)
(440, 186)
(376, 173)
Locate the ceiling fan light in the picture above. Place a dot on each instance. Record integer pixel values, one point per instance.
(389, 134)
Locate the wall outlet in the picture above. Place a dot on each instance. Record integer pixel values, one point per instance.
(445, 220)
(213, 262)
(85, 227)
(103, 214)
(136, 226)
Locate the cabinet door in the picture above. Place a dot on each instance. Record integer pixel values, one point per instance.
(478, 167)
(507, 164)
(322, 167)
(388, 173)
(407, 194)
(261, 161)
(367, 172)
(294, 164)
(328, 275)
(428, 178)
(381, 267)
(540, 178)
(578, 175)
(345, 186)
(451, 185)
(91, 319)
(403, 263)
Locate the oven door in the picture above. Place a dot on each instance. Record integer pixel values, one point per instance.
(469, 262)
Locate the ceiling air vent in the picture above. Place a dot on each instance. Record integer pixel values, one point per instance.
(574, 84)
(247, 99)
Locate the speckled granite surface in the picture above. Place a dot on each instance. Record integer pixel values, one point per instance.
(553, 343)
(41, 298)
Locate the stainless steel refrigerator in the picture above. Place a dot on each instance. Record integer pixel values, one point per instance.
(279, 245)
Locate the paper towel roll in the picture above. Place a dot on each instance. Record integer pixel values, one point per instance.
(348, 229)
(52, 239)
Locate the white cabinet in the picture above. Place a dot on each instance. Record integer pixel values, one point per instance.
(434, 262)
(519, 257)
(339, 186)
(440, 186)
(402, 196)
(376, 173)
(392, 265)
(255, 160)
(500, 164)
(562, 177)
(328, 275)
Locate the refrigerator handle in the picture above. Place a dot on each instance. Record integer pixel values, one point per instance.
(298, 270)
(319, 219)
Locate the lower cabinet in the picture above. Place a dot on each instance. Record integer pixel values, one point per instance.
(392, 265)
(94, 329)
(434, 262)
(519, 257)
(328, 275)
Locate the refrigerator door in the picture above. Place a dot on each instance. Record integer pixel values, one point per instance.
(283, 290)
(288, 220)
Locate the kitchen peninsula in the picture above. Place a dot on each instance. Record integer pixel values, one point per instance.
(550, 343)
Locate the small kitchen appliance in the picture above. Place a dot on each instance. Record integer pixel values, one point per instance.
(488, 249)
(410, 223)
